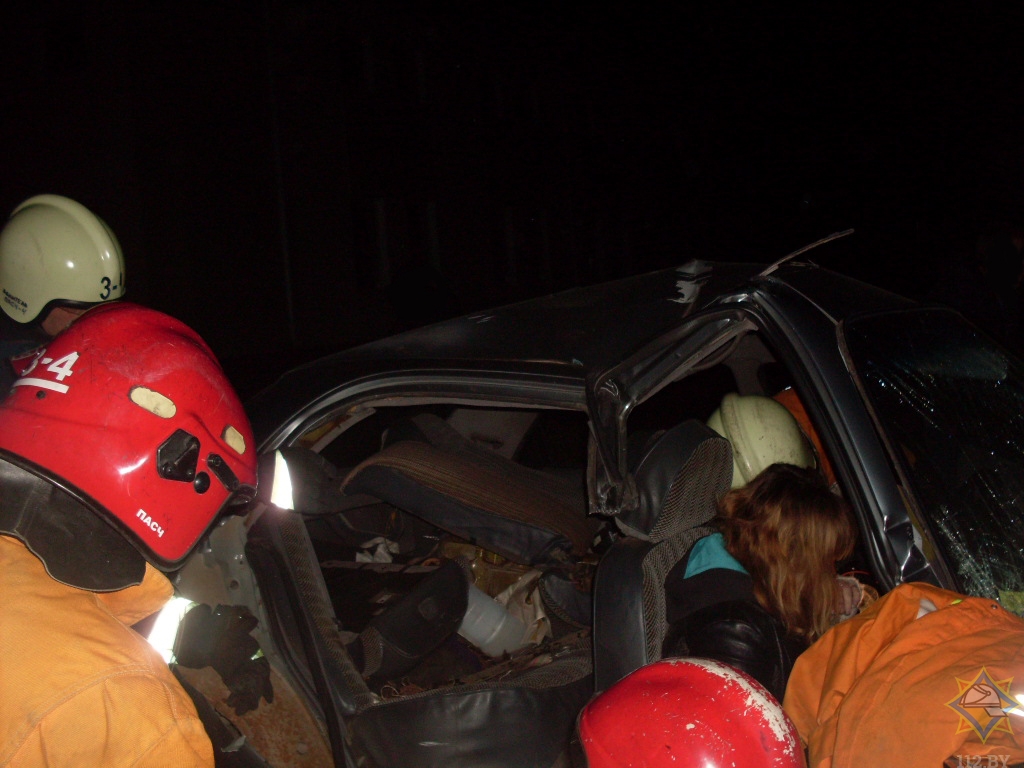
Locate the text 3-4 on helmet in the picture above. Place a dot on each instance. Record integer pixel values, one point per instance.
(688, 712)
(121, 443)
(56, 252)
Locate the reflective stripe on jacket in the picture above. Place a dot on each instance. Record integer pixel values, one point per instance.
(890, 687)
(78, 686)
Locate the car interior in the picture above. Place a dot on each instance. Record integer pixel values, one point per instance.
(456, 589)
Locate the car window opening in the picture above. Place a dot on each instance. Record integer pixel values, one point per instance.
(395, 543)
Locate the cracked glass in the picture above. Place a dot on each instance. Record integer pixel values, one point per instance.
(951, 404)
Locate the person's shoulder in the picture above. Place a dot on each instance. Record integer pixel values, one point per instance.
(747, 617)
(710, 553)
(707, 588)
(124, 716)
(174, 727)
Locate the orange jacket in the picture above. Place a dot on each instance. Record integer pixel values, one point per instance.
(889, 688)
(793, 404)
(78, 686)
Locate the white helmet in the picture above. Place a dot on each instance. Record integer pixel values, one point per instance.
(54, 251)
(762, 432)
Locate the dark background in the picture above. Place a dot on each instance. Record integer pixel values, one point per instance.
(293, 177)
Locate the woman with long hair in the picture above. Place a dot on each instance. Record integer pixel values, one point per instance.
(758, 592)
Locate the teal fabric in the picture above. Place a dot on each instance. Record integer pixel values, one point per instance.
(708, 553)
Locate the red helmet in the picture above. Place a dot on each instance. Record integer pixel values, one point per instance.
(126, 414)
(688, 712)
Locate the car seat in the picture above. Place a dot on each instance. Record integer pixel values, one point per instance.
(531, 517)
(433, 472)
(680, 475)
(517, 715)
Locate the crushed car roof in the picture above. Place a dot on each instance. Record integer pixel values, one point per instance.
(571, 335)
(584, 328)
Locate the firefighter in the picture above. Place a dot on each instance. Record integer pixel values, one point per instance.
(120, 446)
(57, 259)
(688, 712)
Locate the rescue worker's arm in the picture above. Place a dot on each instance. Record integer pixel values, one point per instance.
(132, 718)
(185, 745)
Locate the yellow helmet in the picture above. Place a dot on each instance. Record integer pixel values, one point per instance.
(762, 432)
(56, 252)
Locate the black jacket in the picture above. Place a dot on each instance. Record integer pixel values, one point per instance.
(715, 615)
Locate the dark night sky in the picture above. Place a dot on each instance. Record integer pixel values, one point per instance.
(298, 175)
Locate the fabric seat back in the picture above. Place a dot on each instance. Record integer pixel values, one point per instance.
(680, 477)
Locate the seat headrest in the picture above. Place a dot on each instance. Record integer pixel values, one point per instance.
(680, 475)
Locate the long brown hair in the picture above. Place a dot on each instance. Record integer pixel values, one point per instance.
(788, 530)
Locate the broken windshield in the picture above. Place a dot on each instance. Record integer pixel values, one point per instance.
(951, 403)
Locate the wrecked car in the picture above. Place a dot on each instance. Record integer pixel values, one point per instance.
(480, 511)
